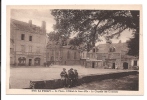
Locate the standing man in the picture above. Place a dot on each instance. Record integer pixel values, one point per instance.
(63, 75)
(70, 78)
(75, 77)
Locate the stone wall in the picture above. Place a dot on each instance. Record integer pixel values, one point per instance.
(57, 83)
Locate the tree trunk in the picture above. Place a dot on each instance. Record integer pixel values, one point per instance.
(93, 41)
(94, 34)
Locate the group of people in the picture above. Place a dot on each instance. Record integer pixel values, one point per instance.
(69, 79)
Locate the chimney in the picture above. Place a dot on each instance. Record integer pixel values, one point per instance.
(43, 26)
(30, 22)
(109, 41)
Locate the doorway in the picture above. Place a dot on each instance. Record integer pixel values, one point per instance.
(92, 64)
(65, 62)
(52, 58)
(125, 65)
(113, 66)
(135, 63)
(37, 61)
(30, 62)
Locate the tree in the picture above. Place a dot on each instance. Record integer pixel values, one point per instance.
(133, 45)
(57, 39)
(90, 25)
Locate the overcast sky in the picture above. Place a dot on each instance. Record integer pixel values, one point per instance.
(37, 16)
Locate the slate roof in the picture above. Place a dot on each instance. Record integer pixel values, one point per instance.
(104, 48)
(71, 47)
(25, 26)
(129, 57)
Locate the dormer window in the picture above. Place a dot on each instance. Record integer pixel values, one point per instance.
(112, 49)
(97, 49)
(94, 49)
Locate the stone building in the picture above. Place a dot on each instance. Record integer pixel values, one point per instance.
(27, 43)
(83, 54)
(60, 54)
(111, 55)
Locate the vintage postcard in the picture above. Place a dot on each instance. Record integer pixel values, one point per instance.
(75, 49)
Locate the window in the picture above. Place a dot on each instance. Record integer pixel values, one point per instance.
(103, 63)
(97, 49)
(11, 50)
(22, 48)
(38, 50)
(48, 54)
(109, 56)
(135, 63)
(22, 37)
(38, 39)
(21, 61)
(30, 38)
(30, 48)
(91, 55)
(37, 61)
(52, 52)
(83, 55)
(112, 49)
(68, 55)
(97, 57)
(75, 55)
(93, 49)
(88, 55)
(57, 53)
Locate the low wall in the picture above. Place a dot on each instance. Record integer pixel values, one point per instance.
(57, 83)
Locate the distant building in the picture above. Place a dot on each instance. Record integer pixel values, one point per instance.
(27, 43)
(111, 55)
(83, 57)
(83, 54)
(62, 54)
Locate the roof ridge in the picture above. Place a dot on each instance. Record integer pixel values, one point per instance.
(111, 43)
(21, 25)
(18, 21)
(24, 22)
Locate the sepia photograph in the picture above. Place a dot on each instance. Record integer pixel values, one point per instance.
(75, 50)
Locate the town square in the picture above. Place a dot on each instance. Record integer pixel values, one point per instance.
(73, 47)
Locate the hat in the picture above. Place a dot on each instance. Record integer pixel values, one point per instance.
(75, 70)
(64, 69)
(71, 69)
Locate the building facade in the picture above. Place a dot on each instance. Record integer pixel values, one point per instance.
(111, 55)
(27, 43)
(83, 57)
(62, 54)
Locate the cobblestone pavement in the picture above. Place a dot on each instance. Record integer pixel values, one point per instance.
(21, 76)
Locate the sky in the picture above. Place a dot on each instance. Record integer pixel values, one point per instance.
(37, 16)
